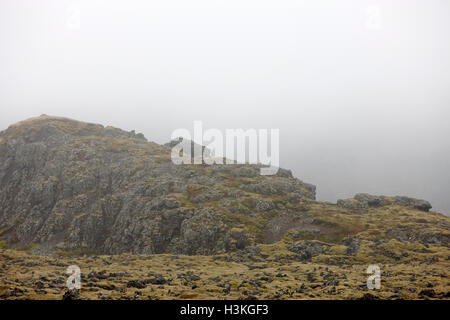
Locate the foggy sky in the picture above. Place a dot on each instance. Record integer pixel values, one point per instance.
(360, 90)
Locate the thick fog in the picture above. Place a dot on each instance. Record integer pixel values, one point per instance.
(360, 90)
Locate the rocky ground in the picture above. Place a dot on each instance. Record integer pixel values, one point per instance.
(141, 227)
(264, 272)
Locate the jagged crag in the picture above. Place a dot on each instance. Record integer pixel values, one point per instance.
(100, 197)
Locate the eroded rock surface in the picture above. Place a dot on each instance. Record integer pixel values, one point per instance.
(71, 185)
(364, 201)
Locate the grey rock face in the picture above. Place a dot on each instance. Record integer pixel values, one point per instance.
(424, 237)
(305, 250)
(70, 185)
(352, 245)
(278, 186)
(418, 204)
(352, 204)
(204, 233)
(262, 205)
(364, 201)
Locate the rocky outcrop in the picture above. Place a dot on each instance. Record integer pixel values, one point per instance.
(69, 185)
(278, 186)
(422, 236)
(352, 245)
(365, 201)
(305, 250)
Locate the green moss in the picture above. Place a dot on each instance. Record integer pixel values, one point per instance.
(3, 244)
(28, 247)
(78, 252)
(4, 230)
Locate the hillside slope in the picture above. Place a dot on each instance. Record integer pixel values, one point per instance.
(71, 185)
(82, 192)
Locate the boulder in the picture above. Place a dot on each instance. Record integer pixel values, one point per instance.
(364, 201)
